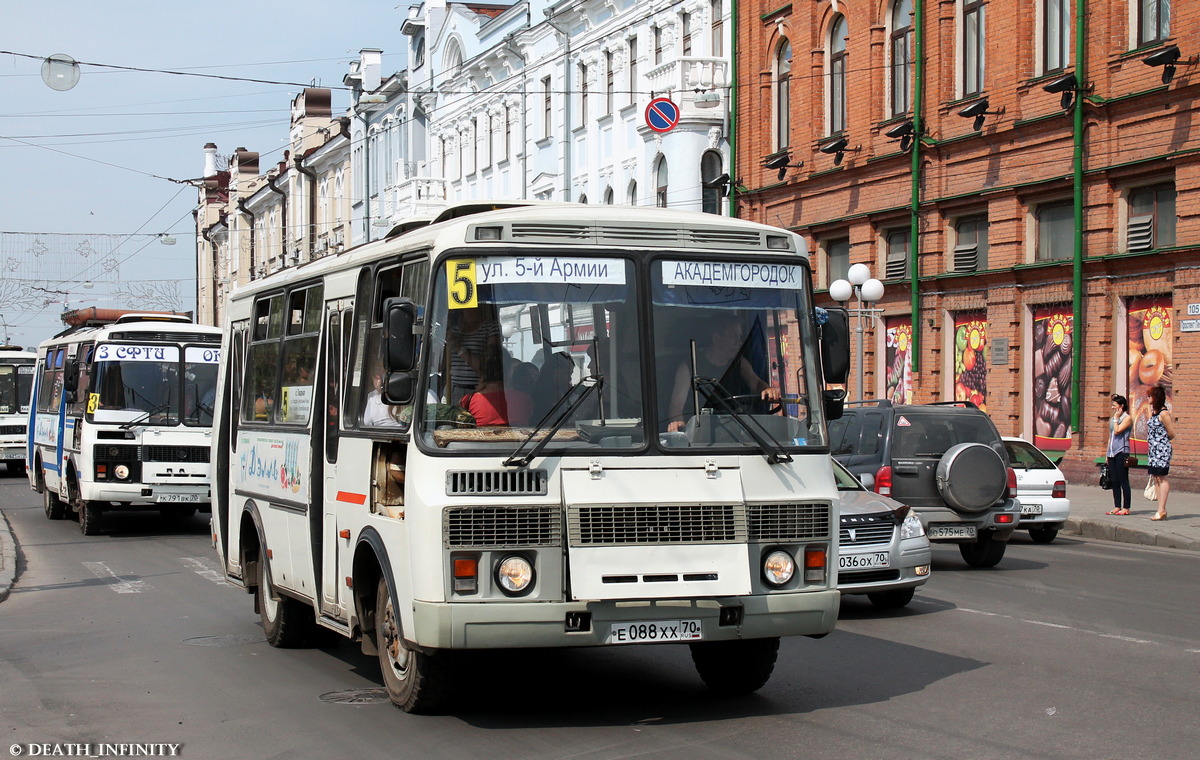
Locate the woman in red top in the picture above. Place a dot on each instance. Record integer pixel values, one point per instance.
(491, 405)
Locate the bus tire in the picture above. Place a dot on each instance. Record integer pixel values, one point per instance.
(56, 508)
(285, 621)
(89, 517)
(416, 682)
(738, 667)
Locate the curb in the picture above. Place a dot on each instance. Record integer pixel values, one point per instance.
(1108, 531)
(8, 558)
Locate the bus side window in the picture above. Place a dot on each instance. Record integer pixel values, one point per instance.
(333, 374)
(259, 396)
(300, 354)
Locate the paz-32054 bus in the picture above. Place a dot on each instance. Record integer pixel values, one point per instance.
(122, 416)
(535, 426)
(16, 382)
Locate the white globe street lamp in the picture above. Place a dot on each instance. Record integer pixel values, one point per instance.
(865, 289)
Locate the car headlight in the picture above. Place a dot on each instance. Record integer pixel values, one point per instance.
(121, 471)
(778, 568)
(514, 575)
(911, 527)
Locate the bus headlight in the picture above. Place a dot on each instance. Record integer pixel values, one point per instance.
(121, 471)
(778, 568)
(514, 575)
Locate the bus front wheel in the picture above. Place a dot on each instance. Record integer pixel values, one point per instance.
(89, 517)
(416, 682)
(285, 621)
(56, 508)
(735, 667)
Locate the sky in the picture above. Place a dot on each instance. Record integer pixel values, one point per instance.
(86, 174)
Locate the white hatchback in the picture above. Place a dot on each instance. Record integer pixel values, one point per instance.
(1041, 489)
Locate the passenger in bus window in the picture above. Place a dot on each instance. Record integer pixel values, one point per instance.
(473, 334)
(376, 413)
(723, 358)
(491, 404)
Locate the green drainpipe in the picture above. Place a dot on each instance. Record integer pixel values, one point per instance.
(733, 89)
(1077, 317)
(914, 237)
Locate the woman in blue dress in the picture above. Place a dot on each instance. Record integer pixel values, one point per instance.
(1159, 436)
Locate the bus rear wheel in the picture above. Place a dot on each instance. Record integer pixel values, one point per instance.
(416, 682)
(733, 668)
(285, 621)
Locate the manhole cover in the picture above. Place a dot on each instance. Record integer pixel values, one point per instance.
(356, 696)
(223, 641)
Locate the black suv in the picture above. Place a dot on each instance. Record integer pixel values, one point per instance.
(945, 460)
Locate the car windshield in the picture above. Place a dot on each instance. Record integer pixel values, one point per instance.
(729, 341)
(515, 343)
(845, 481)
(1026, 456)
(16, 383)
(149, 384)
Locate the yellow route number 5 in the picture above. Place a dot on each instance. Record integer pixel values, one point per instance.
(460, 284)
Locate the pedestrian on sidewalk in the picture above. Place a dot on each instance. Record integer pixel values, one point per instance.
(1159, 436)
(1119, 426)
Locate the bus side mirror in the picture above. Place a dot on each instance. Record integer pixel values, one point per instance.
(835, 347)
(834, 400)
(399, 318)
(71, 375)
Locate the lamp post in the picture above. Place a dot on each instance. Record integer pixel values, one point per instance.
(866, 289)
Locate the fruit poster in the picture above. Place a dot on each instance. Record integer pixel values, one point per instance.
(898, 355)
(1053, 338)
(970, 359)
(1149, 324)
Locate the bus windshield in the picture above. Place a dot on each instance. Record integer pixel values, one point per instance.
(149, 384)
(16, 384)
(730, 339)
(542, 347)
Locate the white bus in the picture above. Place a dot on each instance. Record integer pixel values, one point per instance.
(122, 417)
(480, 433)
(16, 382)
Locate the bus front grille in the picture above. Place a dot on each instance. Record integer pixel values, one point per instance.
(502, 527)
(199, 454)
(788, 522)
(116, 452)
(12, 429)
(651, 524)
(496, 483)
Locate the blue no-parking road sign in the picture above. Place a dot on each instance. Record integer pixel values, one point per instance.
(662, 115)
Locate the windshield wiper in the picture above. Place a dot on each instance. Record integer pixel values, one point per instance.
(146, 417)
(590, 384)
(767, 443)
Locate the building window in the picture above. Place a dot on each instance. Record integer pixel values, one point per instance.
(717, 11)
(609, 82)
(633, 192)
(783, 98)
(546, 113)
(710, 192)
(1154, 21)
(686, 23)
(896, 265)
(583, 198)
(507, 133)
(837, 260)
(901, 49)
(971, 244)
(658, 44)
(837, 75)
(608, 196)
(1151, 218)
(1056, 230)
(1056, 35)
(633, 70)
(583, 93)
(660, 183)
(972, 47)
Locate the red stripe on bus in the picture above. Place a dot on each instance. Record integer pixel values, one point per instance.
(352, 498)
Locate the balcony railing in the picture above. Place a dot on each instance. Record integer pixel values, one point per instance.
(684, 76)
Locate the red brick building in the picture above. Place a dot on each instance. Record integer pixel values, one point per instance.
(1047, 201)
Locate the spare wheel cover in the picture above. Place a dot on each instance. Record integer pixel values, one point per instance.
(971, 477)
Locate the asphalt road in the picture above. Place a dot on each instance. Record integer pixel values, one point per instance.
(1078, 649)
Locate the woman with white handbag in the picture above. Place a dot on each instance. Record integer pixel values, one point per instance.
(1159, 435)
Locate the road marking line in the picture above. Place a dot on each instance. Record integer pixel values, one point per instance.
(1101, 634)
(114, 581)
(204, 568)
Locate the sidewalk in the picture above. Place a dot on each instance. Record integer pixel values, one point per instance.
(1181, 530)
(1088, 518)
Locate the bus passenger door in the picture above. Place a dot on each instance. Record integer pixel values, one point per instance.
(331, 416)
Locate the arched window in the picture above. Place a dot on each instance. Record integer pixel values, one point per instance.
(710, 171)
(453, 59)
(660, 183)
(608, 196)
(837, 75)
(901, 52)
(583, 198)
(783, 98)
(633, 196)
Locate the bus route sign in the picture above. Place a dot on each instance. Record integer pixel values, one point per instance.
(662, 115)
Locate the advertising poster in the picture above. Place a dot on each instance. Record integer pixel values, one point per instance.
(1053, 339)
(898, 355)
(1149, 323)
(970, 358)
